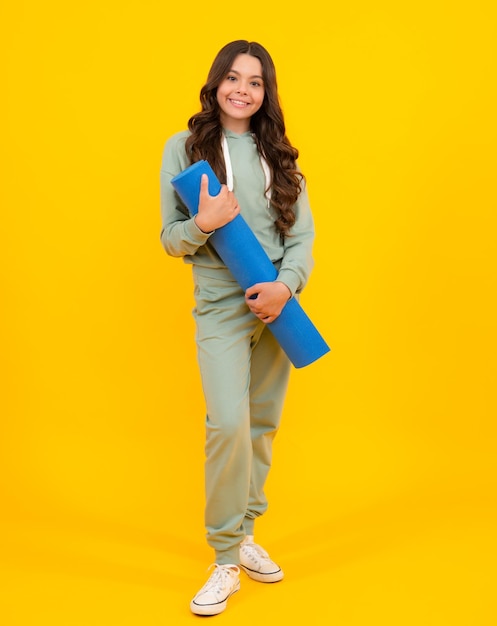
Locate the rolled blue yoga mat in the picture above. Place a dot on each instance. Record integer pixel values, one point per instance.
(247, 260)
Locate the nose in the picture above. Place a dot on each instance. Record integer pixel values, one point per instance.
(241, 89)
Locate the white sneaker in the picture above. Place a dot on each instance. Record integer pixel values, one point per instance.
(255, 561)
(213, 597)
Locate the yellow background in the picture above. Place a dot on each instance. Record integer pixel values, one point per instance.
(383, 492)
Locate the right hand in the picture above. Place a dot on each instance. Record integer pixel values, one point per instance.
(215, 211)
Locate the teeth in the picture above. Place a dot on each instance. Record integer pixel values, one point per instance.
(238, 102)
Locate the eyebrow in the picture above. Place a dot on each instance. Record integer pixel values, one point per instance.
(254, 76)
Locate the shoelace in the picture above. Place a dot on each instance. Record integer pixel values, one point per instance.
(220, 578)
(255, 552)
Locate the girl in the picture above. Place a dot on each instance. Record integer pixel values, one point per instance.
(240, 131)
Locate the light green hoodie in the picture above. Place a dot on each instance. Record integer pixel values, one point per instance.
(181, 237)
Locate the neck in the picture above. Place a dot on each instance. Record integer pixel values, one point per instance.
(236, 126)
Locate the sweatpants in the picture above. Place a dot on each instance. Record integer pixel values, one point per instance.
(244, 375)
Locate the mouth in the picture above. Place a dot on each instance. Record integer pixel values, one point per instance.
(238, 103)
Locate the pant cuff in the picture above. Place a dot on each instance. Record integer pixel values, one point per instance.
(228, 557)
(248, 525)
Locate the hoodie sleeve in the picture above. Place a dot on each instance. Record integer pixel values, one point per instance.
(298, 262)
(180, 235)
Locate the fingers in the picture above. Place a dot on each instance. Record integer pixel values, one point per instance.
(252, 292)
(204, 188)
(234, 207)
(215, 211)
(204, 185)
(256, 306)
(266, 300)
(266, 319)
(224, 193)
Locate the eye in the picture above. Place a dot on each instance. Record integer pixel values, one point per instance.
(255, 84)
(231, 78)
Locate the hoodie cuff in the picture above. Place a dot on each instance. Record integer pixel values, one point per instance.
(194, 234)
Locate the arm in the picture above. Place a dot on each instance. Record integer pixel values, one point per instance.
(297, 262)
(181, 234)
(266, 300)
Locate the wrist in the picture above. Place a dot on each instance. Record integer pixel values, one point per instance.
(285, 288)
(201, 226)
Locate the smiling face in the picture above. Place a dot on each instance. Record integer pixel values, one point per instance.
(241, 93)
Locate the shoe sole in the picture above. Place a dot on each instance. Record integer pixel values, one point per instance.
(212, 609)
(273, 577)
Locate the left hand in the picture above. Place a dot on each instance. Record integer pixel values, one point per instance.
(266, 300)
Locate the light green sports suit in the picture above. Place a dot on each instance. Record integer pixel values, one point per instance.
(244, 371)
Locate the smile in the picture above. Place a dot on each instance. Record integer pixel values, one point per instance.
(238, 103)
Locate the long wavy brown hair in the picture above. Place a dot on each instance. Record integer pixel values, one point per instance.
(267, 125)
